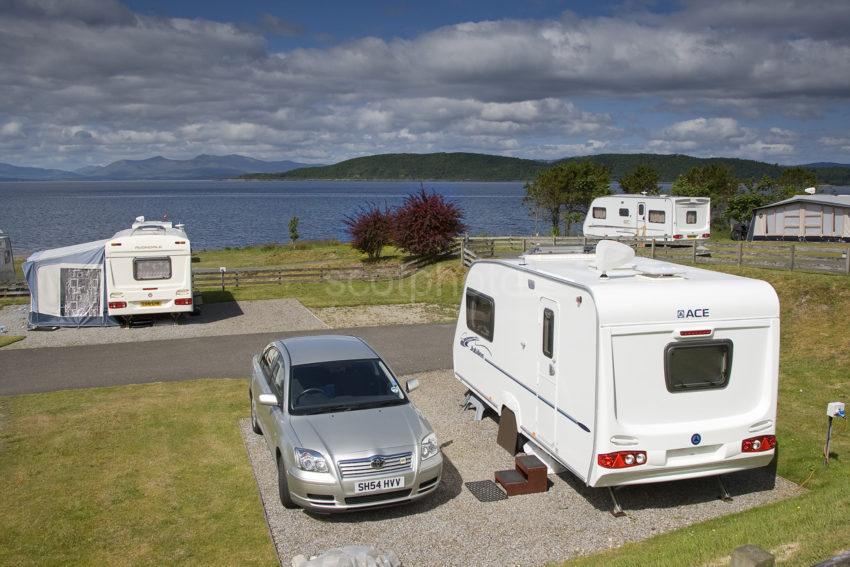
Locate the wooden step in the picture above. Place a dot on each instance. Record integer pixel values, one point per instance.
(513, 481)
(532, 467)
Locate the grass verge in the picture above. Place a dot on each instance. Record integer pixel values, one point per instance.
(312, 253)
(6, 340)
(153, 474)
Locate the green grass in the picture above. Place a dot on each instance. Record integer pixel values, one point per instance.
(321, 253)
(815, 369)
(440, 283)
(6, 340)
(145, 475)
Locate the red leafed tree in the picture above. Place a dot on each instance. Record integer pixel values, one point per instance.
(371, 229)
(427, 224)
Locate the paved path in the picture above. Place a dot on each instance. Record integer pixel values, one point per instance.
(407, 348)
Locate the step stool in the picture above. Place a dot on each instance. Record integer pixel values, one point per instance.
(528, 476)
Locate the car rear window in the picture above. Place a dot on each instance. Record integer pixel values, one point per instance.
(342, 385)
(152, 269)
(699, 365)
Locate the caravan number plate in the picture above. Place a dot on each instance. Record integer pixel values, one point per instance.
(378, 485)
(151, 303)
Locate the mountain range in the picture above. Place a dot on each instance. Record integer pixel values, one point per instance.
(200, 167)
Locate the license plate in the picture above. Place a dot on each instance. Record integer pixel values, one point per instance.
(379, 485)
(692, 236)
(150, 303)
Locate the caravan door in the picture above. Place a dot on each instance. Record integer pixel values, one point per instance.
(547, 370)
(640, 229)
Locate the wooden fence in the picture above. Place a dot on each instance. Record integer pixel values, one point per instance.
(832, 258)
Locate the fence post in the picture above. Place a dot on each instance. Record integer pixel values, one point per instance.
(652, 254)
(462, 251)
(740, 253)
(222, 278)
(524, 245)
(793, 255)
(695, 250)
(847, 261)
(237, 278)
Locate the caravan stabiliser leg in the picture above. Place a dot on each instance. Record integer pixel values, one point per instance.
(617, 510)
(724, 494)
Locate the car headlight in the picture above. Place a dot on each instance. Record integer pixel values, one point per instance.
(311, 461)
(430, 447)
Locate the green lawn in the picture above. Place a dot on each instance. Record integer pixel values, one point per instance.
(153, 474)
(440, 283)
(9, 339)
(313, 253)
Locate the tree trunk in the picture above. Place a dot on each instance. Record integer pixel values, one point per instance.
(556, 221)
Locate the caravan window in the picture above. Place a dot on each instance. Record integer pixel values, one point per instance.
(700, 365)
(548, 332)
(600, 212)
(690, 217)
(657, 216)
(152, 269)
(624, 212)
(480, 313)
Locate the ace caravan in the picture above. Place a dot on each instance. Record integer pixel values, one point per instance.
(661, 217)
(624, 370)
(149, 270)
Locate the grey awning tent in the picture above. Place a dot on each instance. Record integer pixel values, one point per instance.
(7, 265)
(67, 287)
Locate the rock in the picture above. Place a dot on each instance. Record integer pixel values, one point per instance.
(349, 556)
(752, 556)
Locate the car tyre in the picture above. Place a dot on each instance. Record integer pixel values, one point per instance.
(283, 487)
(255, 426)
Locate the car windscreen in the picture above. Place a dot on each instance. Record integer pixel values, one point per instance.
(342, 385)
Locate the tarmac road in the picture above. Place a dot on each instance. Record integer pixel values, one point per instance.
(407, 349)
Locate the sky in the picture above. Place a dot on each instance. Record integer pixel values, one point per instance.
(87, 82)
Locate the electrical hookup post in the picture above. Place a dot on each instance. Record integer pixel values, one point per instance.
(833, 410)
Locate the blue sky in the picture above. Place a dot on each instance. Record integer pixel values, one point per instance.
(92, 81)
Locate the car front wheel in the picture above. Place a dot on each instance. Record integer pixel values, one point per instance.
(283, 487)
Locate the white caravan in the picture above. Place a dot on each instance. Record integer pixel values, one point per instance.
(624, 370)
(149, 270)
(663, 217)
(7, 264)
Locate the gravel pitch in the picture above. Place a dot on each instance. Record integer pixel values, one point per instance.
(216, 319)
(453, 528)
(380, 315)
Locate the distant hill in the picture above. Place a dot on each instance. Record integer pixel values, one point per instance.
(9, 172)
(438, 166)
(484, 167)
(200, 167)
(822, 164)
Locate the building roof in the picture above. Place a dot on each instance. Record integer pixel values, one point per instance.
(326, 348)
(829, 200)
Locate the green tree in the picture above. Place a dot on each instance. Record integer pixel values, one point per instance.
(793, 181)
(642, 178)
(293, 229)
(568, 188)
(741, 206)
(714, 180)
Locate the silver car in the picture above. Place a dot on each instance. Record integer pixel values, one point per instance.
(343, 432)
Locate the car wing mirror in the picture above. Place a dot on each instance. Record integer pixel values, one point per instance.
(411, 385)
(267, 399)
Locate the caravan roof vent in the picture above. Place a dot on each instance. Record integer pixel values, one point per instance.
(612, 255)
(661, 271)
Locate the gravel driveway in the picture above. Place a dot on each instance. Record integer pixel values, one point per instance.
(454, 528)
(216, 319)
(380, 315)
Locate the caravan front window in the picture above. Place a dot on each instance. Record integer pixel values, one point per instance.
(480, 313)
(151, 269)
(699, 365)
(600, 212)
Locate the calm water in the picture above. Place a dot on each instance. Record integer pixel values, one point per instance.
(233, 213)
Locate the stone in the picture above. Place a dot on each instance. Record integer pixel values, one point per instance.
(752, 556)
(349, 556)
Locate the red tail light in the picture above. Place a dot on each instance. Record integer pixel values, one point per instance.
(707, 235)
(677, 237)
(117, 304)
(758, 444)
(695, 333)
(183, 301)
(621, 459)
